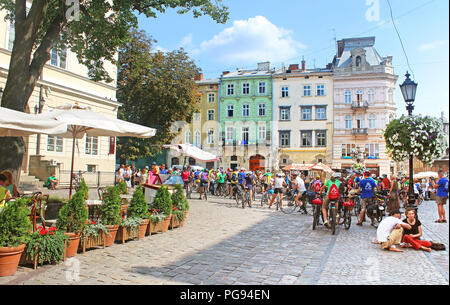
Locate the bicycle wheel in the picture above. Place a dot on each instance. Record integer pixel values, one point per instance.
(237, 197)
(206, 196)
(347, 219)
(290, 207)
(316, 215)
(264, 199)
(333, 220)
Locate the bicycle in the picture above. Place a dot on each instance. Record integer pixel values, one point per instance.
(265, 199)
(347, 206)
(292, 205)
(188, 188)
(317, 210)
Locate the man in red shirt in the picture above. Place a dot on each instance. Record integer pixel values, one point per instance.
(386, 185)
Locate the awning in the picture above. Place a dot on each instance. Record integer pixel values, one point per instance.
(297, 167)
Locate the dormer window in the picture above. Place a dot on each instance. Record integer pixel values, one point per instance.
(358, 61)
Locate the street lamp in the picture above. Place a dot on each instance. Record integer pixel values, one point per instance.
(409, 89)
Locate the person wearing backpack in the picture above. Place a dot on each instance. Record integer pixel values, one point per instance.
(233, 180)
(368, 187)
(332, 186)
(204, 181)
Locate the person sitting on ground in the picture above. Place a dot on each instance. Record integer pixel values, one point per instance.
(390, 231)
(10, 183)
(411, 238)
(4, 192)
(52, 182)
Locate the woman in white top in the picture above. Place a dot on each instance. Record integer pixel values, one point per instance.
(278, 189)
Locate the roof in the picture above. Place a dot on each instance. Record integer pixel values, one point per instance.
(365, 43)
(207, 81)
(249, 73)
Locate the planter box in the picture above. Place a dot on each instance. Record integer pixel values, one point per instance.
(174, 222)
(27, 260)
(110, 237)
(184, 218)
(125, 234)
(93, 241)
(162, 226)
(143, 228)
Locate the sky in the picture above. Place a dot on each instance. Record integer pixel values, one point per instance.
(285, 31)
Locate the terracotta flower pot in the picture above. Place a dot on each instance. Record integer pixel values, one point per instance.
(143, 228)
(72, 245)
(9, 259)
(184, 218)
(166, 223)
(174, 222)
(110, 236)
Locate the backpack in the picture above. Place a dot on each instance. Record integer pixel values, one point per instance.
(317, 187)
(334, 192)
(233, 177)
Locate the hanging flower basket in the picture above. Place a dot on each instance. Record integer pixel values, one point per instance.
(419, 136)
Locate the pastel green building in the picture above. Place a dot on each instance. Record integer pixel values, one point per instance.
(245, 117)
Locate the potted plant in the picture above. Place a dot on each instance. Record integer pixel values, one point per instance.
(94, 235)
(163, 204)
(72, 219)
(14, 227)
(129, 229)
(45, 245)
(122, 188)
(111, 214)
(84, 188)
(139, 208)
(181, 206)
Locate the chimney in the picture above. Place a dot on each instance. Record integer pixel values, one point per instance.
(293, 67)
(225, 73)
(303, 64)
(199, 77)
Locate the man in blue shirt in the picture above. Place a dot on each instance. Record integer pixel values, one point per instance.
(241, 176)
(441, 196)
(367, 186)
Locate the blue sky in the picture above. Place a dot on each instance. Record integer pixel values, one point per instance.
(283, 31)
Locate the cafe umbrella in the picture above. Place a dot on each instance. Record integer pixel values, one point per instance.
(82, 121)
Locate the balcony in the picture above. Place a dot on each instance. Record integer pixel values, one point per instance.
(360, 105)
(360, 131)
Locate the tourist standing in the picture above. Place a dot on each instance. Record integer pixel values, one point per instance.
(394, 200)
(441, 196)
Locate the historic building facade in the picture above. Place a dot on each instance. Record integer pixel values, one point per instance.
(303, 115)
(364, 103)
(245, 118)
(65, 81)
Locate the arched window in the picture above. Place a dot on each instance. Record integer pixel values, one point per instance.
(187, 137)
(197, 139)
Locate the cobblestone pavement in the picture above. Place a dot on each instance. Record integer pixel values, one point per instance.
(224, 244)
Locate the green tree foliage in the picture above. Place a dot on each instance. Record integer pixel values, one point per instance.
(122, 188)
(73, 215)
(111, 207)
(163, 201)
(14, 224)
(138, 206)
(151, 83)
(179, 199)
(84, 188)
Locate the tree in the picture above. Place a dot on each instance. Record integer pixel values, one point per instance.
(92, 29)
(156, 90)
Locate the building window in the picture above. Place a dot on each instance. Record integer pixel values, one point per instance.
(348, 97)
(262, 109)
(91, 168)
(91, 146)
(320, 90)
(306, 138)
(261, 133)
(347, 149)
(370, 96)
(285, 139)
(211, 136)
(211, 116)
(230, 111)
(372, 121)
(372, 150)
(321, 138)
(211, 98)
(262, 88)
(246, 110)
(285, 114)
(244, 135)
(12, 33)
(197, 138)
(187, 137)
(284, 91)
(230, 89)
(307, 90)
(321, 113)
(358, 61)
(391, 95)
(306, 113)
(55, 144)
(58, 58)
(348, 122)
(246, 89)
(112, 145)
(229, 134)
(359, 97)
(197, 116)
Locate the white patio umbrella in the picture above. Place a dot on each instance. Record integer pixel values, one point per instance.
(83, 121)
(18, 124)
(192, 151)
(423, 175)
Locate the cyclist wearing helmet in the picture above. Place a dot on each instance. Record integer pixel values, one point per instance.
(280, 183)
(328, 184)
(204, 181)
(233, 181)
(368, 187)
(248, 182)
(299, 185)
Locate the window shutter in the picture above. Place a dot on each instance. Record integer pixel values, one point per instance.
(112, 145)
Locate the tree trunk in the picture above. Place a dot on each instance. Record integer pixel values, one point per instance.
(12, 150)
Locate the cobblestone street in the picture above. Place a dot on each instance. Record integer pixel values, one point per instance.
(224, 244)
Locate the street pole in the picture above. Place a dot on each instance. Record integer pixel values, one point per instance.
(411, 197)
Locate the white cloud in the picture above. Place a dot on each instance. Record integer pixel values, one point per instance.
(159, 48)
(433, 45)
(186, 42)
(255, 39)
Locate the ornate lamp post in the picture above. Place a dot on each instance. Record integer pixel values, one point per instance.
(409, 95)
